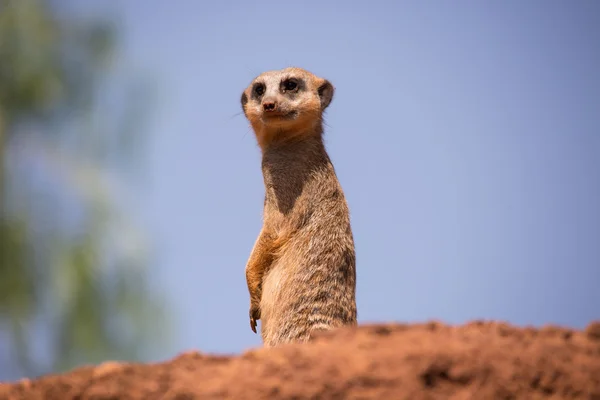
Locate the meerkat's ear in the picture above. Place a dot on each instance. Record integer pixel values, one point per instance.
(325, 91)
(244, 100)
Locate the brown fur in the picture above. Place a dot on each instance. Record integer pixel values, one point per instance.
(301, 273)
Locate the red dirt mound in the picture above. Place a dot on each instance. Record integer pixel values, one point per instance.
(481, 360)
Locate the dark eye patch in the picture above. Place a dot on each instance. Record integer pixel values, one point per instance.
(258, 89)
(291, 85)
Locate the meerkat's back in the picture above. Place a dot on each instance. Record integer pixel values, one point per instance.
(301, 273)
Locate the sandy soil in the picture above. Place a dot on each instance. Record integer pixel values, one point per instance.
(480, 360)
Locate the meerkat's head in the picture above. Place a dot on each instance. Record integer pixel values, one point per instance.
(285, 104)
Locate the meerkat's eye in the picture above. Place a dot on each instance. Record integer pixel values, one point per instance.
(259, 89)
(290, 85)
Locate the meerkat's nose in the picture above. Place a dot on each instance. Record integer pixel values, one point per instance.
(269, 105)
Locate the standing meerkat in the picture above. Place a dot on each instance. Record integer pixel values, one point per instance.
(301, 273)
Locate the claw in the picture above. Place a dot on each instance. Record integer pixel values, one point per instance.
(254, 316)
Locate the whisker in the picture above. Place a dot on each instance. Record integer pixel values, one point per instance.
(236, 115)
(248, 130)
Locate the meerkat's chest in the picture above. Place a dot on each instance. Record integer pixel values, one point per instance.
(284, 215)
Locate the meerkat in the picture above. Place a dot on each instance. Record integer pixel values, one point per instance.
(301, 273)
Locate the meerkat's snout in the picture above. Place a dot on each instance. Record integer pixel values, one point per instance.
(269, 104)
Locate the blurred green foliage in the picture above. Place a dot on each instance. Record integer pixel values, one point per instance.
(73, 278)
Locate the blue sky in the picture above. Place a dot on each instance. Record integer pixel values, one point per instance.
(466, 136)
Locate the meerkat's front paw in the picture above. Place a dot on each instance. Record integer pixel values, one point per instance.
(254, 316)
